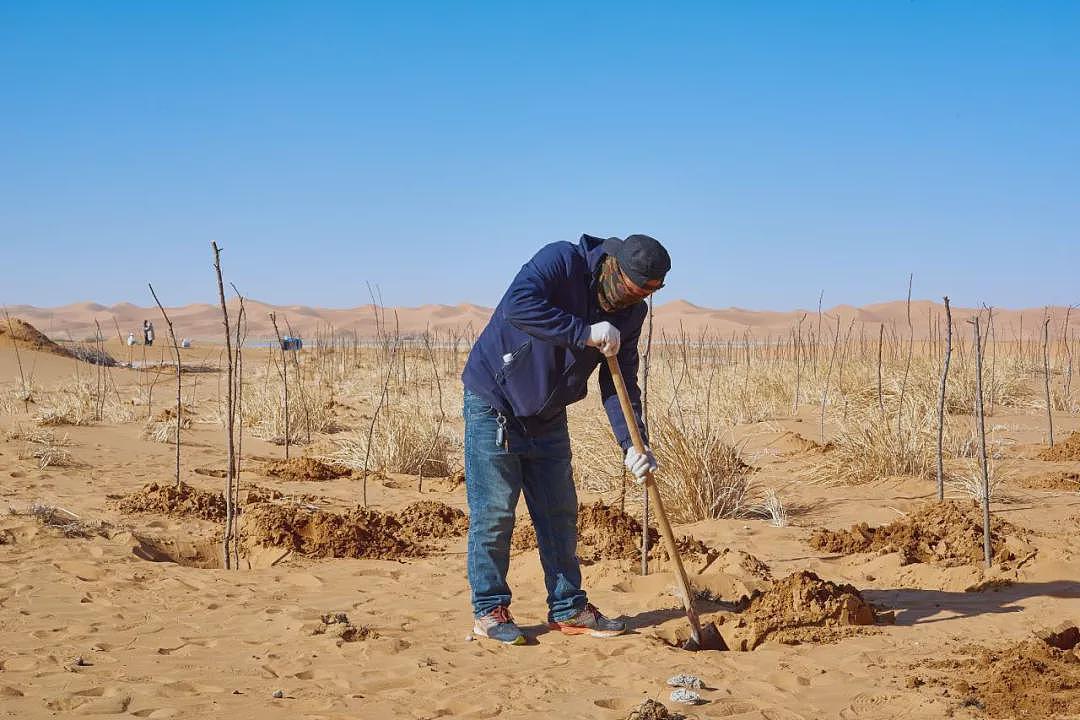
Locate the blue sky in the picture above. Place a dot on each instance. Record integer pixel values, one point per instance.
(776, 148)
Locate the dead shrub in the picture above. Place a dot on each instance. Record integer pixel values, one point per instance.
(701, 474)
(67, 522)
(45, 447)
(162, 427)
(79, 402)
(403, 442)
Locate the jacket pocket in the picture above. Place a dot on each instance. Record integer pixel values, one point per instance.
(523, 381)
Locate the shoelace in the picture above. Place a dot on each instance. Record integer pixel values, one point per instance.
(501, 615)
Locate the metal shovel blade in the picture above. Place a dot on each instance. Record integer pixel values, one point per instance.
(708, 639)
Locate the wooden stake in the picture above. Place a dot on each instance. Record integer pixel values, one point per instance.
(1046, 377)
(941, 403)
(176, 350)
(284, 380)
(981, 421)
(230, 409)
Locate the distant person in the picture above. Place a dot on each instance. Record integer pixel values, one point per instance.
(131, 339)
(568, 307)
(148, 332)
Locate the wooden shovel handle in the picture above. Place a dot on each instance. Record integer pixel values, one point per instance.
(654, 498)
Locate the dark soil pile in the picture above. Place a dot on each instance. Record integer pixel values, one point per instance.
(170, 499)
(1067, 450)
(359, 533)
(426, 519)
(1031, 679)
(948, 534)
(651, 710)
(30, 337)
(1063, 480)
(304, 468)
(607, 533)
(800, 608)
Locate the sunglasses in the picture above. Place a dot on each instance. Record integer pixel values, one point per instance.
(636, 290)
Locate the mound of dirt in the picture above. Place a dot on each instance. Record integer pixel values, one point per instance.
(304, 468)
(1067, 450)
(607, 533)
(337, 625)
(30, 337)
(650, 709)
(1062, 480)
(426, 519)
(741, 563)
(169, 499)
(359, 533)
(792, 443)
(1030, 679)
(948, 534)
(800, 608)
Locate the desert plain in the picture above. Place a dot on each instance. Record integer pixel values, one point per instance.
(798, 458)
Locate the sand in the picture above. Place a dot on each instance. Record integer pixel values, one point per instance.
(28, 337)
(163, 631)
(1031, 679)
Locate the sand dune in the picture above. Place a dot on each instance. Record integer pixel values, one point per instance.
(203, 320)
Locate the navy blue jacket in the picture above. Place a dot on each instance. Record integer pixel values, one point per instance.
(531, 360)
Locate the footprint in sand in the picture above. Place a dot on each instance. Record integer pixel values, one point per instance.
(155, 713)
(728, 708)
(876, 706)
(92, 701)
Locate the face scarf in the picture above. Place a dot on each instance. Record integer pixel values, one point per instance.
(614, 291)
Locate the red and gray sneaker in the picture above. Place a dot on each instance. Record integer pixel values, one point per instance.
(499, 625)
(589, 621)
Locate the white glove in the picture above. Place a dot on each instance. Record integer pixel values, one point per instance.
(605, 337)
(639, 465)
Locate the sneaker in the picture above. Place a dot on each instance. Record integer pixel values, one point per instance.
(589, 621)
(499, 625)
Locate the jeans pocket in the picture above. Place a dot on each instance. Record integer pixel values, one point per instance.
(475, 408)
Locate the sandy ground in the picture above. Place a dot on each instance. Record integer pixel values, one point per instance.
(160, 639)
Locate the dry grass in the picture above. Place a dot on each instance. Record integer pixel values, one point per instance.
(8, 402)
(701, 473)
(404, 441)
(80, 402)
(162, 428)
(969, 483)
(43, 446)
(67, 522)
(264, 409)
(773, 509)
(868, 447)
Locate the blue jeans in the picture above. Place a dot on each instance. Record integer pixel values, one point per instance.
(537, 465)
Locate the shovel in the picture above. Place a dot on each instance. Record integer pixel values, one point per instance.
(701, 638)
